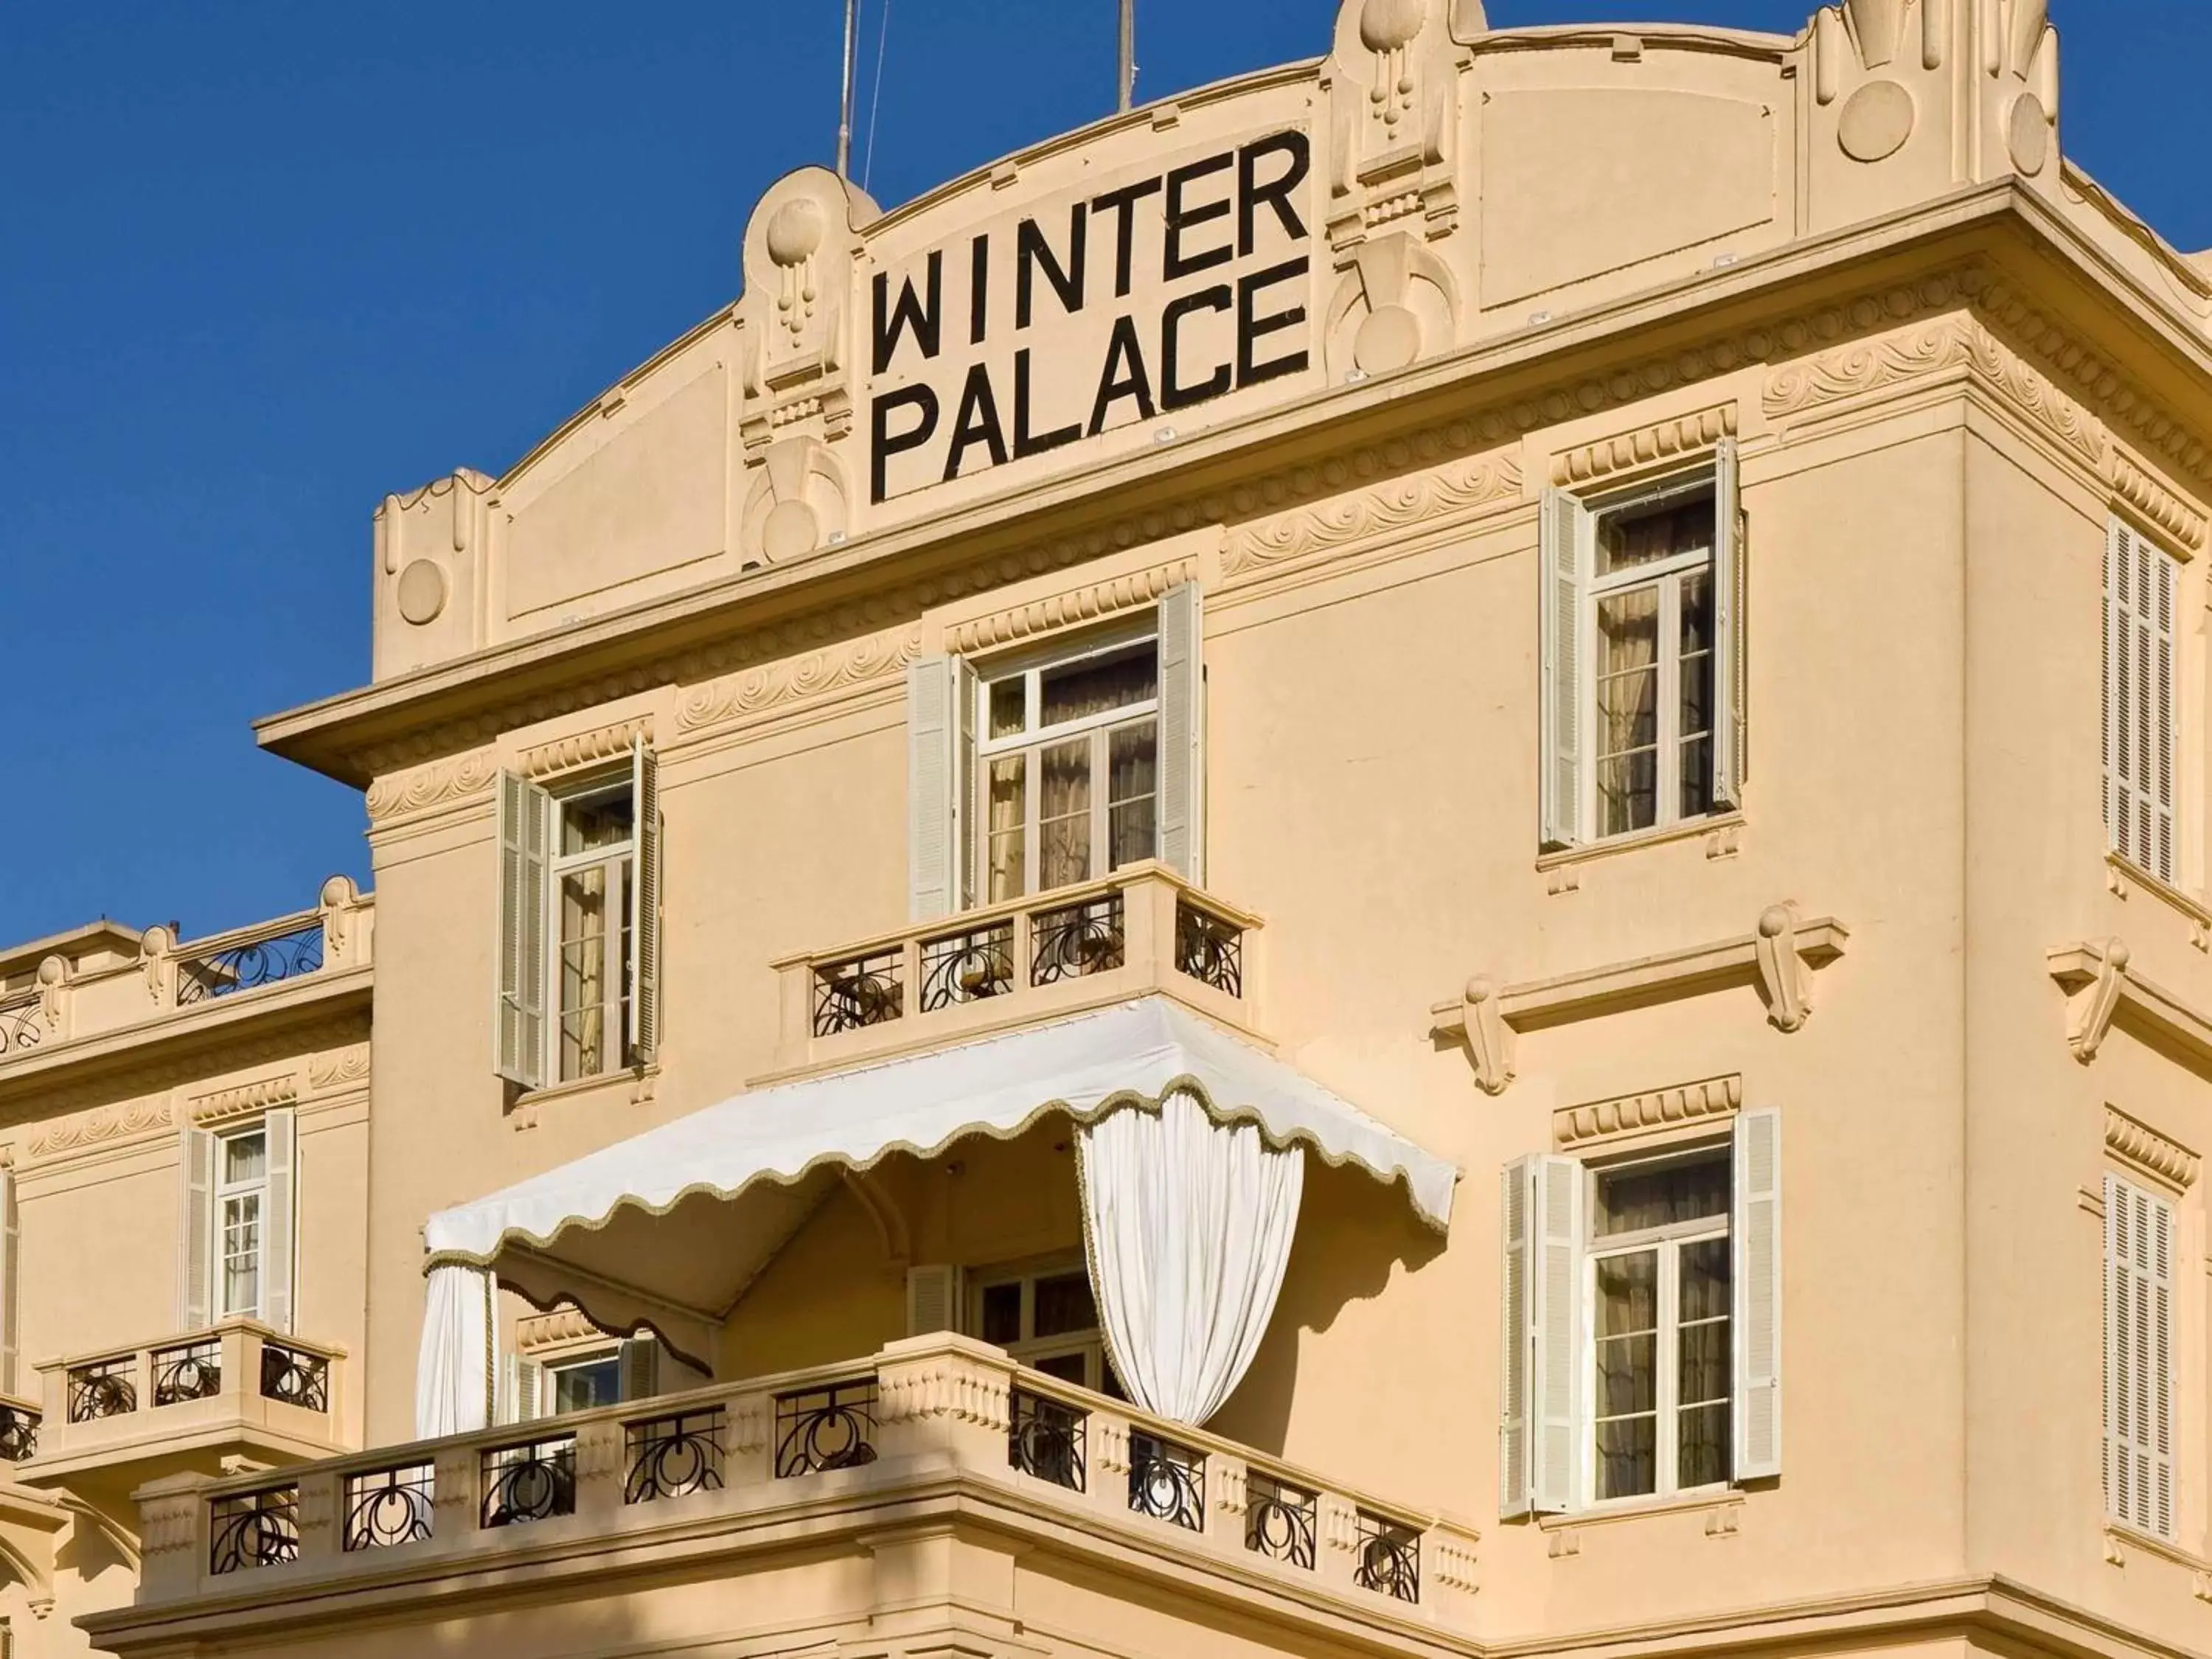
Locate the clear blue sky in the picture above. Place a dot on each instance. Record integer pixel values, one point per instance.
(261, 263)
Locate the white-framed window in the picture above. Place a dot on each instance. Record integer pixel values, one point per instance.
(583, 1375)
(2139, 1341)
(1641, 684)
(241, 1192)
(1642, 1308)
(2141, 669)
(240, 1202)
(1058, 765)
(579, 947)
(1046, 1318)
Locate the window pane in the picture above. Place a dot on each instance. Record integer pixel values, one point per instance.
(241, 1253)
(1632, 1198)
(1006, 848)
(1063, 814)
(1064, 1304)
(1628, 1457)
(245, 1157)
(1628, 792)
(1631, 536)
(1068, 1367)
(595, 1382)
(1628, 710)
(1007, 697)
(1002, 1313)
(585, 979)
(596, 821)
(1627, 1337)
(1701, 1457)
(1132, 778)
(1695, 727)
(1097, 683)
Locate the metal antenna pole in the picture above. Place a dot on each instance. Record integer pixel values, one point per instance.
(845, 98)
(1128, 52)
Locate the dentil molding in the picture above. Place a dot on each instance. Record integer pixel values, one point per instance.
(1654, 1109)
(244, 1100)
(1647, 445)
(1093, 602)
(2135, 1142)
(604, 742)
(2165, 511)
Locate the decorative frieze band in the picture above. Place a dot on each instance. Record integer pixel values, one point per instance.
(813, 674)
(338, 1068)
(124, 1121)
(535, 1332)
(1392, 504)
(1647, 445)
(244, 1100)
(2133, 1141)
(1654, 1109)
(437, 784)
(604, 742)
(1092, 603)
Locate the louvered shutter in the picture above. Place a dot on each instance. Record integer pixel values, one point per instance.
(1516, 1185)
(2141, 595)
(522, 1390)
(1555, 1356)
(940, 714)
(280, 1218)
(2138, 1296)
(645, 945)
(1755, 1273)
(519, 1016)
(1728, 626)
(1560, 606)
(641, 1368)
(932, 1298)
(1183, 732)
(11, 1288)
(195, 1225)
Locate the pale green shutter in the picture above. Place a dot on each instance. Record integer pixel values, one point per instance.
(519, 1018)
(522, 1390)
(1183, 732)
(1755, 1236)
(641, 1369)
(645, 945)
(933, 1294)
(1560, 693)
(196, 1220)
(1515, 1188)
(1556, 1359)
(1728, 627)
(940, 701)
(280, 1223)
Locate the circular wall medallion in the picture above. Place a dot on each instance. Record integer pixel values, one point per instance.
(790, 529)
(1877, 121)
(422, 592)
(794, 231)
(1389, 338)
(2027, 134)
(1386, 25)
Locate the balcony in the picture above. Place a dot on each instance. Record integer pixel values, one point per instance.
(1142, 930)
(936, 1438)
(115, 1418)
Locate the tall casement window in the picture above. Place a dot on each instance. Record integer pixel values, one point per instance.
(2142, 583)
(1059, 766)
(2138, 1358)
(241, 1205)
(1641, 699)
(1048, 1319)
(578, 925)
(579, 1378)
(1641, 1341)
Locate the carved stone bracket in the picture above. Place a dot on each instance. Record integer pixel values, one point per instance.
(2102, 987)
(1778, 956)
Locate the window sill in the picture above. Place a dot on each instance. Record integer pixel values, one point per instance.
(1640, 1508)
(1725, 829)
(2119, 1537)
(634, 1085)
(2123, 873)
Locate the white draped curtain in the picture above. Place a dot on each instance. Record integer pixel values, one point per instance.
(455, 1371)
(1188, 1225)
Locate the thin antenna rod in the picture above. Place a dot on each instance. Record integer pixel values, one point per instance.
(876, 98)
(845, 98)
(1128, 52)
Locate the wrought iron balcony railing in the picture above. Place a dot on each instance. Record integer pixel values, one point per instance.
(823, 1439)
(1144, 929)
(19, 1430)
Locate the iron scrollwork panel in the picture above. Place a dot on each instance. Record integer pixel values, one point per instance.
(1167, 1481)
(1046, 1439)
(248, 966)
(831, 1428)
(192, 1373)
(1279, 1521)
(534, 1482)
(103, 1390)
(1209, 949)
(254, 1529)
(674, 1456)
(295, 1379)
(1077, 939)
(19, 1024)
(19, 1434)
(863, 991)
(967, 967)
(391, 1507)
(1389, 1558)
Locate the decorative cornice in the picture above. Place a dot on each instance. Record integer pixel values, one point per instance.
(343, 1066)
(1655, 1109)
(816, 674)
(434, 785)
(1092, 603)
(586, 749)
(127, 1121)
(244, 1100)
(535, 1331)
(1647, 445)
(2165, 511)
(2135, 1142)
(1393, 505)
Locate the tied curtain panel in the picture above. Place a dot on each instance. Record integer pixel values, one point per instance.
(1190, 1225)
(455, 1370)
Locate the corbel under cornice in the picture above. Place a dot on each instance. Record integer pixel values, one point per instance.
(2101, 983)
(1778, 956)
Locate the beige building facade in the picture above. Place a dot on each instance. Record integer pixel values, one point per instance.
(1411, 857)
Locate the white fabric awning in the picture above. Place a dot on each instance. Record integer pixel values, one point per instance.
(594, 1215)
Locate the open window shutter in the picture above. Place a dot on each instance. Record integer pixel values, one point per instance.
(645, 943)
(940, 713)
(2138, 1295)
(280, 1224)
(1559, 604)
(1182, 733)
(1555, 1357)
(11, 1282)
(520, 1022)
(197, 1225)
(1755, 1238)
(2114, 649)
(641, 1368)
(1728, 626)
(521, 1390)
(932, 1298)
(1517, 1179)
(2165, 600)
